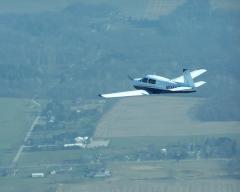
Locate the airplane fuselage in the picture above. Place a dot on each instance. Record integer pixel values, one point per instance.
(157, 84)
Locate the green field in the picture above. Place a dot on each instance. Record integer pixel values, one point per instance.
(160, 116)
(155, 186)
(14, 184)
(163, 176)
(15, 120)
(169, 169)
(49, 157)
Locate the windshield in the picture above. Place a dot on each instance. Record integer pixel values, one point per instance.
(144, 80)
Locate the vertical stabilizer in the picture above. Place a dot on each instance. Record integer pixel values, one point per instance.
(188, 80)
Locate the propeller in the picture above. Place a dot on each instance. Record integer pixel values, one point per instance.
(129, 77)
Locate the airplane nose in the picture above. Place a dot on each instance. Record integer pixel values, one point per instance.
(135, 82)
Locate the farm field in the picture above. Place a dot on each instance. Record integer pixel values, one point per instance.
(163, 176)
(49, 157)
(26, 184)
(159, 116)
(15, 120)
(170, 169)
(155, 186)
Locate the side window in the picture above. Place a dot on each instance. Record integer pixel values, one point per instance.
(144, 80)
(152, 81)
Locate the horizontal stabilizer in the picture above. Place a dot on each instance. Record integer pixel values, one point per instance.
(194, 74)
(199, 83)
(125, 94)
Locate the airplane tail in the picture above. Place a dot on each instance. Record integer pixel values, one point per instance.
(188, 80)
(199, 83)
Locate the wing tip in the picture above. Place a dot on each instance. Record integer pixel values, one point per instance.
(104, 96)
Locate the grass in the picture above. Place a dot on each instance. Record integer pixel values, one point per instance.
(26, 184)
(166, 176)
(159, 116)
(16, 116)
(49, 157)
(153, 185)
(169, 169)
(188, 175)
(15, 120)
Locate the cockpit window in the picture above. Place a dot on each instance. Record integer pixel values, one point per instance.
(152, 81)
(145, 80)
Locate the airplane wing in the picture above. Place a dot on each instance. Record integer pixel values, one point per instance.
(181, 89)
(194, 74)
(125, 94)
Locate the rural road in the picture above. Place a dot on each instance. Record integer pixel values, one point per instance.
(18, 154)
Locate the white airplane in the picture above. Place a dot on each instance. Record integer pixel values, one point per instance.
(81, 139)
(153, 84)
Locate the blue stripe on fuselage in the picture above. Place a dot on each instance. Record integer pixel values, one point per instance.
(160, 91)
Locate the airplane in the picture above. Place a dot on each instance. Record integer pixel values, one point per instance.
(153, 84)
(81, 139)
